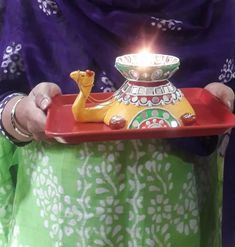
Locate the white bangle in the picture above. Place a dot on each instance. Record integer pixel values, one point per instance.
(17, 127)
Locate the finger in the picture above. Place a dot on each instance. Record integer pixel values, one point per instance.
(42, 101)
(36, 121)
(43, 93)
(41, 137)
(222, 92)
(36, 125)
(227, 97)
(31, 118)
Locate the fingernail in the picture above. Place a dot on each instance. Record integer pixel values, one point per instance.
(44, 103)
(229, 104)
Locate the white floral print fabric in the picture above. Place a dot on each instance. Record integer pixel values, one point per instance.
(227, 72)
(122, 193)
(12, 63)
(106, 85)
(166, 25)
(49, 7)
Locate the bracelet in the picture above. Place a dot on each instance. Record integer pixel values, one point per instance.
(3, 103)
(17, 127)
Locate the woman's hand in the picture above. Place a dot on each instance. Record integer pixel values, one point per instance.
(30, 112)
(222, 92)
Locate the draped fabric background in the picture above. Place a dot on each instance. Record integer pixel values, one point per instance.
(44, 40)
(90, 34)
(1, 13)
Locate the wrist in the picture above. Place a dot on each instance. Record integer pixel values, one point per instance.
(11, 124)
(16, 124)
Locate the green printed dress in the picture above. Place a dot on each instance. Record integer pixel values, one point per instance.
(120, 194)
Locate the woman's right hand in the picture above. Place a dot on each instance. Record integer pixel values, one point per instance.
(31, 111)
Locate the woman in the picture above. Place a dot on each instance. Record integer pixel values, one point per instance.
(122, 193)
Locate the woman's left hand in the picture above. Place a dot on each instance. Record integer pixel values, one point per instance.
(222, 92)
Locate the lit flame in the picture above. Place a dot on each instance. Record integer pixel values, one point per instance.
(144, 58)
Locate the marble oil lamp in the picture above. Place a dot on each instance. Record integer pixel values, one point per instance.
(147, 98)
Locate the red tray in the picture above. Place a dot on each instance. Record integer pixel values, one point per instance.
(213, 118)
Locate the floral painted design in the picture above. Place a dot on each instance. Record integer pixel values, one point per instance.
(49, 7)
(166, 25)
(12, 62)
(227, 73)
